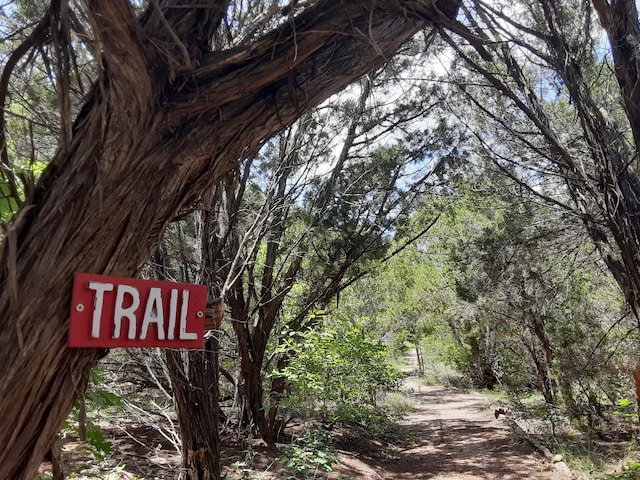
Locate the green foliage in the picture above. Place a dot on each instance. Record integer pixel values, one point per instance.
(99, 398)
(534, 310)
(311, 452)
(27, 174)
(8, 204)
(94, 400)
(625, 408)
(101, 448)
(340, 366)
(504, 288)
(408, 298)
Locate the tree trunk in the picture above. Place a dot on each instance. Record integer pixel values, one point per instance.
(279, 390)
(249, 380)
(419, 358)
(544, 380)
(569, 400)
(149, 140)
(251, 393)
(53, 456)
(620, 20)
(194, 375)
(82, 418)
(545, 364)
(194, 380)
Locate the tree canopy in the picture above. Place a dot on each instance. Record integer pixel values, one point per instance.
(120, 118)
(175, 102)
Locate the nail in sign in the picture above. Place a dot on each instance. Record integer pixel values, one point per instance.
(109, 312)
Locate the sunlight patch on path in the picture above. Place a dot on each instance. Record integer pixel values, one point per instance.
(457, 437)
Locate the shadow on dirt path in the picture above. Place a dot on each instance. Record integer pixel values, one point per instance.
(455, 437)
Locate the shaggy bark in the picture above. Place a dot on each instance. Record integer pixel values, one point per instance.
(197, 408)
(157, 129)
(620, 21)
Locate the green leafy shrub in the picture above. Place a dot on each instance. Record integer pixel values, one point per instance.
(100, 448)
(94, 400)
(310, 453)
(339, 369)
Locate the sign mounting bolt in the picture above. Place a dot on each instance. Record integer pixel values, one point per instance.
(79, 307)
(199, 314)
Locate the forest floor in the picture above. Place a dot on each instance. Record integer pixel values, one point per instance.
(447, 434)
(454, 435)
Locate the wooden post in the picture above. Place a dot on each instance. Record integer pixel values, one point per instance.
(214, 314)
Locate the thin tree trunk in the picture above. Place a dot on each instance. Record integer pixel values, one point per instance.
(419, 358)
(544, 381)
(194, 380)
(53, 456)
(82, 418)
(620, 20)
(251, 392)
(566, 391)
(545, 364)
(279, 389)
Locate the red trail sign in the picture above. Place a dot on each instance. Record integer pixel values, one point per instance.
(108, 312)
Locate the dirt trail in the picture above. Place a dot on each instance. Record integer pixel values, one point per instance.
(456, 437)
